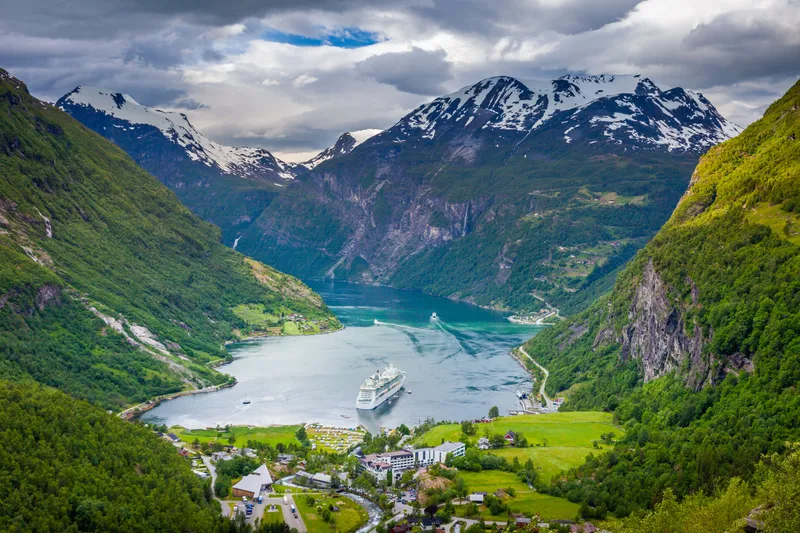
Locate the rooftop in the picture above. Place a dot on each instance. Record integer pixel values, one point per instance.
(448, 447)
(253, 482)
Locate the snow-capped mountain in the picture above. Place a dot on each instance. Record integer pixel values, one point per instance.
(121, 112)
(628, 110)
(343, 146)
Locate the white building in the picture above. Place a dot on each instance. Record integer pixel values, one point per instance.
(429, 456)
(379, 464)
(251, 485)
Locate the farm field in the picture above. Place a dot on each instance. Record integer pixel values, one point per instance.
(268, 435)
(349, 518)
(557, 441)
(525, 501)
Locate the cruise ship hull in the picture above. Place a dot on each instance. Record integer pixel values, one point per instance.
(379, 399)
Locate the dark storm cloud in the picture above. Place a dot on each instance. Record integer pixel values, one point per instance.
(416, 72)
(744, 45)
(155, 53)
(480, 16)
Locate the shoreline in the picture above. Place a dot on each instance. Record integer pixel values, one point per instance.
(137, 410)
(257, 337)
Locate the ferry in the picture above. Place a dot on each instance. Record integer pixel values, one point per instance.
(379, 387)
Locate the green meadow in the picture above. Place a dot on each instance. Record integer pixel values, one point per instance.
(557, 441)
(268, 435)
(525, 501)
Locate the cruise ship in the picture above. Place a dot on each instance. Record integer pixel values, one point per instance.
(379, 387)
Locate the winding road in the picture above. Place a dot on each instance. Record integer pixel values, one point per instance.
(547, 400)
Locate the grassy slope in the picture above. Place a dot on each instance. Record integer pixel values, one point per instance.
(735, 235)
(65, 464)
(525, 501)
(569, 438)
(124, 243)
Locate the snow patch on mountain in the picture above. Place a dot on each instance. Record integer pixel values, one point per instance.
(245, 162)
(627, 108)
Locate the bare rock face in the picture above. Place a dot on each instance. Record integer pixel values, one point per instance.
(657, 335)
(48, 295)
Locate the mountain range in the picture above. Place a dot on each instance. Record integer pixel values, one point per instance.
(497, 194)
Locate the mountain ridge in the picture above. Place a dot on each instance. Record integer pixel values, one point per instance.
(696, 349)
(110, 288)
(415, 205)
(506, 104)
(479, 171)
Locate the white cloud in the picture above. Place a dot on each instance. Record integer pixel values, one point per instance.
(304, 79)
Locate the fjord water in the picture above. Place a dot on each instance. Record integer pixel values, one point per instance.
(457, 367)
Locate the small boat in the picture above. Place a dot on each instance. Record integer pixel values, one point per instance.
(434, 316)
(246, 402)
(376, 322)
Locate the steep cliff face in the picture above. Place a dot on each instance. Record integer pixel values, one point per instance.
(697, 349)
(657, 334)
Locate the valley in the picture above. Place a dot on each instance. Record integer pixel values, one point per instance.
(524, 306)
(490, 195)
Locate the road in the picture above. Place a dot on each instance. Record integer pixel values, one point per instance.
(547, 400)
(226, 511)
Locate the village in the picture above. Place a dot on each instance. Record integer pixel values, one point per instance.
(439, 477)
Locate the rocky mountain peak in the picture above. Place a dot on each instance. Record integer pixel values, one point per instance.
(632, 111)
(345, 144)
(119, 114)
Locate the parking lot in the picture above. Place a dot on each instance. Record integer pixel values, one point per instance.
(285, 508)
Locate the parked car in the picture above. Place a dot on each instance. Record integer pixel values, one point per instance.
(244, 499)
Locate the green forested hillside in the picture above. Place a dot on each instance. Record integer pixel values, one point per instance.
(711, 307)
(97, 257)
(68, 466)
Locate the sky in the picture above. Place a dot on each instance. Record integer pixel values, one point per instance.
(292, 75)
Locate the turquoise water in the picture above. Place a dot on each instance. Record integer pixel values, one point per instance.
(457, 367)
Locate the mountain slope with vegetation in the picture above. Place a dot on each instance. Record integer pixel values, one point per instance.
(227, 186)
(109, 288)
(697, 348)
(498, 194)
